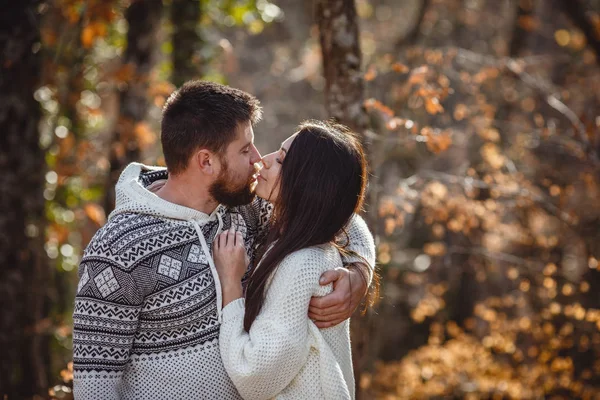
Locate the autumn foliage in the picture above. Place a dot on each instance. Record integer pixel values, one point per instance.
(484, 146)
(490, 242)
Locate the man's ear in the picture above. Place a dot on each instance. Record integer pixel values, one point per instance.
(206, 162)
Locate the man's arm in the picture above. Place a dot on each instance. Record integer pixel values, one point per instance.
(350, 284)
(105, 321)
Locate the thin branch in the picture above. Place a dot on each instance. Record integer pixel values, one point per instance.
(413, 33)
(516, 67)
(506, 257)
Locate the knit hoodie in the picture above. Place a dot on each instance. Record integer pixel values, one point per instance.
(148, 305)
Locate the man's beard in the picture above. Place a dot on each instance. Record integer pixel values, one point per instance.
(224, 192)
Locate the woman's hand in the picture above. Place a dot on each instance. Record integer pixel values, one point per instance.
(231, 262)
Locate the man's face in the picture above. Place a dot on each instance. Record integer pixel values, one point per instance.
(236, 181)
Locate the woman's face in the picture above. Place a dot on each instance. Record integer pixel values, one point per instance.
(267, 186)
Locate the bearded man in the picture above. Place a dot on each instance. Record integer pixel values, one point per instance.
(148, 304)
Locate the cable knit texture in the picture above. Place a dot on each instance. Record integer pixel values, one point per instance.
(285, 356)
(147, 311)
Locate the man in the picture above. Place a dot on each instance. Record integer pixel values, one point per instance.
(147, 310)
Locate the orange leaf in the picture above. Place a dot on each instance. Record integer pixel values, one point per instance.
(433, 106)
(418, 75)
(370, 74)
(438, 143)
(87, 36)
(144, 134)
(400, 68)
(95, 213)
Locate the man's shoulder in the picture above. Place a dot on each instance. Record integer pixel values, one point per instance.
(128, 237)
(124, 223)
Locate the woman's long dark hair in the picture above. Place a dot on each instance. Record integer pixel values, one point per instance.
(321, 184)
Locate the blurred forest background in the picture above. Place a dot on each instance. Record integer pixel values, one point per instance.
(482, 122)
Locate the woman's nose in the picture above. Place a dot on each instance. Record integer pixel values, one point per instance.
(266, 161)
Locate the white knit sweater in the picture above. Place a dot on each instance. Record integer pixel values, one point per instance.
(285, 356)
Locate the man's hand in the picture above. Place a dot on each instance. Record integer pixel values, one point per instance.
(349, 288)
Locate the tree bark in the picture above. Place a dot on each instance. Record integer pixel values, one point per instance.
(24, 272)
(340, 47)
(519, 35)
(143, 17)
(185, 16)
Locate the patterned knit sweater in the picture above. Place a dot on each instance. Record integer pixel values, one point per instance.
(285, 355)
(147, 310)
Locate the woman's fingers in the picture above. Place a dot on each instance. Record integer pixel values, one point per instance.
(230, 238)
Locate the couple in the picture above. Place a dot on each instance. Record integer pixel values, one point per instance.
(160, 311)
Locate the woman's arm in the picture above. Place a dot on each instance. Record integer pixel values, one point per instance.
(263, 362)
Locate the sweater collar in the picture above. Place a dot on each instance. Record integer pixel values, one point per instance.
(132, 195)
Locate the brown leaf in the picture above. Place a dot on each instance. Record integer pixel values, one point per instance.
(400, 68)
(528, 23)
(435, 249)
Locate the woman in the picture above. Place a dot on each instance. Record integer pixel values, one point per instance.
(269, 346)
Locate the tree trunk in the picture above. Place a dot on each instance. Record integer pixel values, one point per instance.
(411, 36)
(24, 271)
(344, 97)
(143, 17)
(185, 16)
(340, 47)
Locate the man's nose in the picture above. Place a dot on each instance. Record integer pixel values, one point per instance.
(255, 157)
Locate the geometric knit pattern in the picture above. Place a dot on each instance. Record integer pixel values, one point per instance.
(147, 294)
(285, 355)
(146, 316)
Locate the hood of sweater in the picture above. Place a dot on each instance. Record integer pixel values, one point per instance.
(133, 196)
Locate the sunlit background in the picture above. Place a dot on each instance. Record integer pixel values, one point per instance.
(482, 122)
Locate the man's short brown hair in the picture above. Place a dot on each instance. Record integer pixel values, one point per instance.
(203, 114)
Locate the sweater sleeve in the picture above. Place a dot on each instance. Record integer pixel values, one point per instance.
(263, 362)
(360, 242)
(257, 216)
(105, 320)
